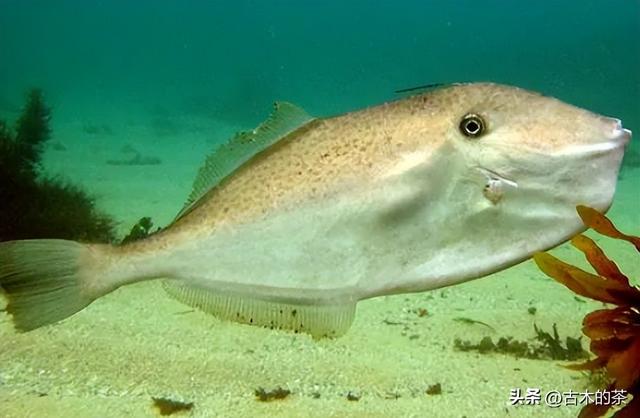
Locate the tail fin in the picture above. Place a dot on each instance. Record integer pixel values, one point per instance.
(43, 280)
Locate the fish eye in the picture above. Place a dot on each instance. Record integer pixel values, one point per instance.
(472, 125)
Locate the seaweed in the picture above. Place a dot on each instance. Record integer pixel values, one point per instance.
(141, 230)
(352, 396)
(421, 312)
(32, 131)
(552, 345)
(545, 346)
(435, 389)
(35, 206)
(166, 406)
(614, 332)
(264, 395)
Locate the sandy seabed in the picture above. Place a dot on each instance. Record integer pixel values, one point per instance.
(138, 343)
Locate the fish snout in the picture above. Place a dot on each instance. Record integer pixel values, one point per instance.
(615, 132)
(608, 136)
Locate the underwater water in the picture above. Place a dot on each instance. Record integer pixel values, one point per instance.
(141, 92)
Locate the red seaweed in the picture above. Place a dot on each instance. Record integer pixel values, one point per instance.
(614, 332)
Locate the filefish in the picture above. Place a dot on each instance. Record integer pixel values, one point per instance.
(290, 224)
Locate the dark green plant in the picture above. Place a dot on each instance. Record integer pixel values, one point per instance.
(546, 346)
(33, 206)
(32, 131)
(140, 230)
(264, 395)
(166, 406)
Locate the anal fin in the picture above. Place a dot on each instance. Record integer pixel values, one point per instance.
(317, 320)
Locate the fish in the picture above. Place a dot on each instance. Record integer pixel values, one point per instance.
(291, 224)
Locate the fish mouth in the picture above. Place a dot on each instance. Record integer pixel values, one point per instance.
(624, 136)
(615, 139)
(620, 133)
(619, 138)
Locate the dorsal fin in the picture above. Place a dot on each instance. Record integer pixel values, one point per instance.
(420, 89)
(284, 119)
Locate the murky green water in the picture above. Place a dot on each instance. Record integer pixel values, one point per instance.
(165, 82)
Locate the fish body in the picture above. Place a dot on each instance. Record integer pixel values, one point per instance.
(289, 225)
